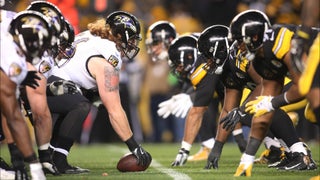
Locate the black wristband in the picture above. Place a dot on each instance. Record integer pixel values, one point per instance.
(131, 143)
(279, 101)
(31, 158)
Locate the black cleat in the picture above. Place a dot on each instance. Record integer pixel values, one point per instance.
(299, 161)
(74, 170)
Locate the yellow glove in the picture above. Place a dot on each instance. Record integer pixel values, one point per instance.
(260, 106)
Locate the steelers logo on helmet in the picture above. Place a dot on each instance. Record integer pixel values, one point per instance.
(183, 54)
(214, 44)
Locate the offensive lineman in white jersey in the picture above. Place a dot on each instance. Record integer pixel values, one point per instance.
(30, 35)
(95, 66)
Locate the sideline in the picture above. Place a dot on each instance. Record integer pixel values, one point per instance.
(155, 164)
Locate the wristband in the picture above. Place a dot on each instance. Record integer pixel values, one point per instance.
(31, 158)
(131, 143)
(280, 100)
(304, 32)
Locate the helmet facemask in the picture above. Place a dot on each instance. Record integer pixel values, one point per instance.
(130, 48)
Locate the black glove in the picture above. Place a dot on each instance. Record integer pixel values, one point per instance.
(232, 118)
(300, 44)
(144, 158)
(181, 158)
(61, 87)
(212, 162)
(21, 173)
(31, 80)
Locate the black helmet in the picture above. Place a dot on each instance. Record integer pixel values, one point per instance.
(52, 12)
(32, 33)
(128, 27)
(160, 32)
(213, 43)
(249, 27)
(65, 45)
(56, 19)
(183, 54)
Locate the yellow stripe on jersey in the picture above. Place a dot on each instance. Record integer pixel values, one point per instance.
(198, 74)
(312, 64)
(309, 114)
(282, 43)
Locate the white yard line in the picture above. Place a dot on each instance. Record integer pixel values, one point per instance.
(155, 164)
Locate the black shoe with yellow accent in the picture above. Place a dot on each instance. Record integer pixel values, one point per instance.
(299, 161)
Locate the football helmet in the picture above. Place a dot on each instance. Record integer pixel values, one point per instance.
(56, 18)
(249, 27)
(66, 49)
(31, 31)
(160, 32)
(183, 54)
(213, 43)
(126, 26)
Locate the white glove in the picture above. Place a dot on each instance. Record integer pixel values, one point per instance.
(181, 158)
(36, 171)
(181, 105)
(165, 108)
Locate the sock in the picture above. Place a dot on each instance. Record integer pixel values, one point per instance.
(217, 149)
(208, 143)
(44, 146)
(253, 146)
(268, 142)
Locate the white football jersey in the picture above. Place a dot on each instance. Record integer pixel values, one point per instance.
(88, 46)
(45, 66)
(6, 18)
(13, 61)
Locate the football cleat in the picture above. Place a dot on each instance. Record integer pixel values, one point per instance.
(201, 155)
(299, 161)
(244, 170)
(284, 161)
(74, 170)
(270, 156)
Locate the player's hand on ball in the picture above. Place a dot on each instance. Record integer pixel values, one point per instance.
(181, 158)
(144, 158)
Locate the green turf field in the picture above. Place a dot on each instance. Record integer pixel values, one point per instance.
(102, 159)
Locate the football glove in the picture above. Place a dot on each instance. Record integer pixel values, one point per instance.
(260, 106)
(244, 169)
(21, 173)
(165, 108)
(212, 162)
(144, 158)
(181, 105)
(31, 80)
(181, 158)
(61, 87)
(299, 45)
(232, 118)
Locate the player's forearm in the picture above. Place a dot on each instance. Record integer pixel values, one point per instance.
(120, 124)
(193, 123)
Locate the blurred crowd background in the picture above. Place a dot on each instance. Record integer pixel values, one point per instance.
(142, 80)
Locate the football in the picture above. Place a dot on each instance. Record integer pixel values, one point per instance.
(129, 163)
